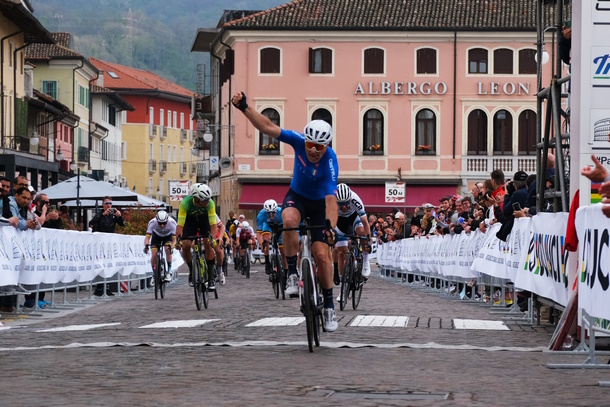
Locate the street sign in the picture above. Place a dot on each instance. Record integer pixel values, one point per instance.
(178, 189)
(213, 163)
(394, 192)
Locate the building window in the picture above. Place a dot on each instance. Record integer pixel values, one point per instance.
(270, 60)
(83, 96)
(527, 133)
(267, 145)
(373, 132)
(426, 61)
(320, 60)
(477, 60)
(151, 115)
(374, 61)
(425, 132)
(161, 117)
(323, 114)
(527, 63)
(50, 88)
(503, 61)
(503, 133)
(477, 132)
(111, 115)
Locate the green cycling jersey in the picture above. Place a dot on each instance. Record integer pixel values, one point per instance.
(188, 208)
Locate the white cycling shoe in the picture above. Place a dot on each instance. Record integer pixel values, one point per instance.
(366, 269)
(330, 320)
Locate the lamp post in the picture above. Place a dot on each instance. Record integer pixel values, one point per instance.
(74, 167)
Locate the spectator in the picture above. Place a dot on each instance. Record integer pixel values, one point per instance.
(7, 302)
(400, 231)
(372, 221)
(427, 218)
(65, 218)
(498, 181)
(476, 191)
(457, 212)
(105, 221)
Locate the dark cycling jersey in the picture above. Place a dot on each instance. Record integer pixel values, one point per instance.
(311, 181)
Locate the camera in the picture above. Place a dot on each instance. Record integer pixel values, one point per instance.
(516, 206)
(112, 211)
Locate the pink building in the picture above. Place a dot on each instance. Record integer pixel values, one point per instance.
(436, 94)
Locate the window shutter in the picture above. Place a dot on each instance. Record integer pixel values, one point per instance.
(327, 60)
(311, 60)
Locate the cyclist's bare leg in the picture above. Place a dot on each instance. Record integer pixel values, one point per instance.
(153, 257)
(341, 257)
(290, 239)
(209, 260)
(321, 254)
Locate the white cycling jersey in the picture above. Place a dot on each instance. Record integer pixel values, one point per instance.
(247, 232)
(355, 205)
(169, 229)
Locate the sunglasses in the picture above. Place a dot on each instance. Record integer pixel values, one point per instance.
(108, 203)
(162, 223)
(45, 202)
(24, 185)
(198, 200)
(314, 146)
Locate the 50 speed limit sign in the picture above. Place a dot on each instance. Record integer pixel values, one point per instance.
(395, 192)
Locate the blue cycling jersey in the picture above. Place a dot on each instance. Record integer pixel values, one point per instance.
(263, 222)
(311, 181)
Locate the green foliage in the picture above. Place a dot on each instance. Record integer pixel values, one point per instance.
(136, 221)
(153, 35)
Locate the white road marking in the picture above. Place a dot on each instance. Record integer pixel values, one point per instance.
(480, 324)
(380, 321)
(180, 323)
(290, 321)
(78, 327)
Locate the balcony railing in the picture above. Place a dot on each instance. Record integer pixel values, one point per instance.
(193, 169)
(182, 168)
(183, 135)
(152, 131)
(152, 166)
(83, 155)
(162, 132)
(483, 165)
(162, 167)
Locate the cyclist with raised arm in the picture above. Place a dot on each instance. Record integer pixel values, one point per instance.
(161, 230)
(269, 215)
(245, 238)
(197, 215)
(352, 220)
(311, 194)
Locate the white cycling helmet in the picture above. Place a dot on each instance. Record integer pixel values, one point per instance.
(344, 193)
(270, 205)
(319, 132)
(201, 191)
(162, 217)
(245, 225)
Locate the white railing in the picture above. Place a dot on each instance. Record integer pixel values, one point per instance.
(482, 166)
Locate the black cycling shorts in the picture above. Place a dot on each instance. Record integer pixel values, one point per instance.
(196, 223)
(315, 210)
(156, 240)
(346, 223)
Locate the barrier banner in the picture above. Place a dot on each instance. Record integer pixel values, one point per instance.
(593, 229)
(544, 260)
(491, 258)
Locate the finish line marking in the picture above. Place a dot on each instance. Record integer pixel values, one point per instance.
(480, 324)
(289, 321)
(77, 327)
(180, 323)
(380, 321)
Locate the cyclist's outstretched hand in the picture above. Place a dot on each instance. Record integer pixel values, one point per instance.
(239, 101)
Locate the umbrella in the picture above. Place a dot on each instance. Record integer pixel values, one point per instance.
(88, 188)
(143, 201)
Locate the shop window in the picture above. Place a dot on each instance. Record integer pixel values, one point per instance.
(425, 132)
(477, 133)
(267, 145)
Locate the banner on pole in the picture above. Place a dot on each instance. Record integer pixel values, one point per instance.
(178, 189)
(395, 192)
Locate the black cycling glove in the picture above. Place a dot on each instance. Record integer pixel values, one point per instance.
(242, 104)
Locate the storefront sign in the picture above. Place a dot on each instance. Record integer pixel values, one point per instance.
(438, 88)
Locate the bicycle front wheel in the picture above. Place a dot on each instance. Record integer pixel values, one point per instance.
(197, 282)
(162, 281)
(346, 280)
(156, 278)
(275, 277)
(358, 284)
(247, 265)
(203, 277)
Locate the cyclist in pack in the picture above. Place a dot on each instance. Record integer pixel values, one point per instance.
(311, 195)
(233, 233)
(161, 230)
(197, 215)
(220, 239)
(352, 220)
(270, 214)
(245, 238)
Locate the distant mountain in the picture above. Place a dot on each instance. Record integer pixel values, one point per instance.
(155, 35)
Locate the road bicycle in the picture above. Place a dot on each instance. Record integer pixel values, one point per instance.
(310, 293)
(352, 280)
(199, 272)
(277, 276)
(159, 271)
(243, 263)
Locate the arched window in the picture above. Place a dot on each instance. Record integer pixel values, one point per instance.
(477, 60)
(324, 114)
(477, 133)
(503, 133)
(374, 61)
(373, 132)
(267, 145)
(527, 133)
(426, 61)
(425, 132)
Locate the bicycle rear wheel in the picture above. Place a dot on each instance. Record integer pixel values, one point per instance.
(196, 279)
(281, 275)
(156, 273)
(307, 302)
(203, 276)
(346, 280)
(247, 265)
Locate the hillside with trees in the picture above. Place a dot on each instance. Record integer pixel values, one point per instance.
(155, 35)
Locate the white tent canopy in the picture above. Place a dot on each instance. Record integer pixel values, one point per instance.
(143, 201)
(89, 189)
